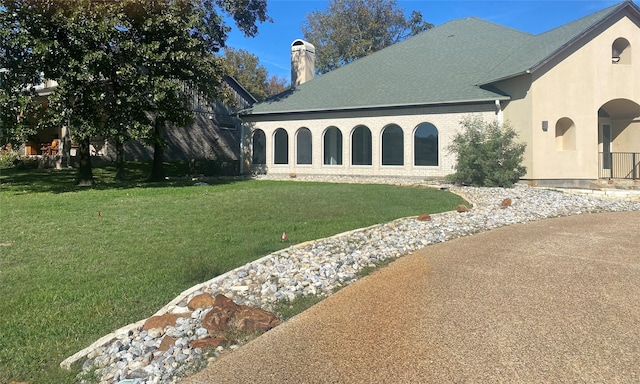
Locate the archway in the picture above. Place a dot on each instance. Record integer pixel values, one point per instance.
(392, 145)
(425, 145)
(361, 146)
(619, 139)
(304, 154)
(259, 153)
(280, 146)
(332, 146)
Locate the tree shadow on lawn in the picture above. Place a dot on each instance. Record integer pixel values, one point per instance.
(23, 181)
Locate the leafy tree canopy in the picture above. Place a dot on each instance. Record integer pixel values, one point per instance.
(246, 68)
(124, 68)
(351, 29)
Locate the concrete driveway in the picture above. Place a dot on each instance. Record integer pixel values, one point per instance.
(554, 301)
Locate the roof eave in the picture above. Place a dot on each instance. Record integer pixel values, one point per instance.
(246, 113)
(504, 78)
(236, 82)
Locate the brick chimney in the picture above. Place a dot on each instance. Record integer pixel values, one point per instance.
(303, 62)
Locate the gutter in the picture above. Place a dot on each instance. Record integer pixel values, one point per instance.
(241, 148)
(247, 113)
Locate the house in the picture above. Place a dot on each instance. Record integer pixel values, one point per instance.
(41, 144)
(572, 94)
(212, 142)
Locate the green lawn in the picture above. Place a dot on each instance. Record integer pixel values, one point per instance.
(69, 276)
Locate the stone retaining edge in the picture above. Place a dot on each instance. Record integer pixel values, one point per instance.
(66, 363)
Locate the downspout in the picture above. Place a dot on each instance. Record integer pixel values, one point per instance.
(241, 148)
(499, 117)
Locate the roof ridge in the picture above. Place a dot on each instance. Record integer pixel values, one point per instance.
(603, 12)
(492, 23)
(401, 44)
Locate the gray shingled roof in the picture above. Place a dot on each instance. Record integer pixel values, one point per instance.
(443, 65)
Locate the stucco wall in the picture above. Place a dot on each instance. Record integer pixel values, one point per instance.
(517, 113)
(575, 85)
(445, 119)
(626, 135)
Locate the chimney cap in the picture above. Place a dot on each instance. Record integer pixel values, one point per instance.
(299, 44)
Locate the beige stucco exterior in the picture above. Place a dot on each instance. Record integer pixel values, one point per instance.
(567, 93)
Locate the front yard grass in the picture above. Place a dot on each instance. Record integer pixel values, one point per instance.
(69, 275)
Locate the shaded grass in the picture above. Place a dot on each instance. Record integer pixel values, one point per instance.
(289, 308)
(69, 276)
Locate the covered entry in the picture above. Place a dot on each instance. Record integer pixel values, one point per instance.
(619, 140)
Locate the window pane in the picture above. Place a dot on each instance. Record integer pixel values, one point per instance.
(303, 153)
(281, 147)
(361, 146)
(425, 142)
(259, 147)
(333, 146)
(392, 146)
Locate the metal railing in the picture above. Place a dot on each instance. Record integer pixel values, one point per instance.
(619, 165)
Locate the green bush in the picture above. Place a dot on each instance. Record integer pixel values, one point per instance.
(8, 158)
(27, 163)
(487, 154)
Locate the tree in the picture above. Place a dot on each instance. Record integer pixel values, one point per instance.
(173, 60)
(276, 85)
(351, 29)
(246, 68)
(15, 128)
(487, 154)
(126, 68)
(416, 24)
(16, 96)
(57, 38)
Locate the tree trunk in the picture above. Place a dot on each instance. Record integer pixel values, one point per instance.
(120, 170)
(157, 170)
(85, 171)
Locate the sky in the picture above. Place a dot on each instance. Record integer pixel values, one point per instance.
(273, 42)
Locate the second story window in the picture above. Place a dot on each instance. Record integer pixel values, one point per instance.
(621, 51)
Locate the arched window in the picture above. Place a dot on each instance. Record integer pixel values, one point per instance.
(565, 135)
(332, 146)
(280, 146)
(425, 145)
(621, 51)
(303, 146)
(259, 155)
(361, 146)
(392, 145)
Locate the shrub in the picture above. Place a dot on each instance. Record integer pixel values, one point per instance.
(487, 154)
(8, 158)
(27, 163)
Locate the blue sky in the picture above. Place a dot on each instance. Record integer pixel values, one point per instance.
(272, 44)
